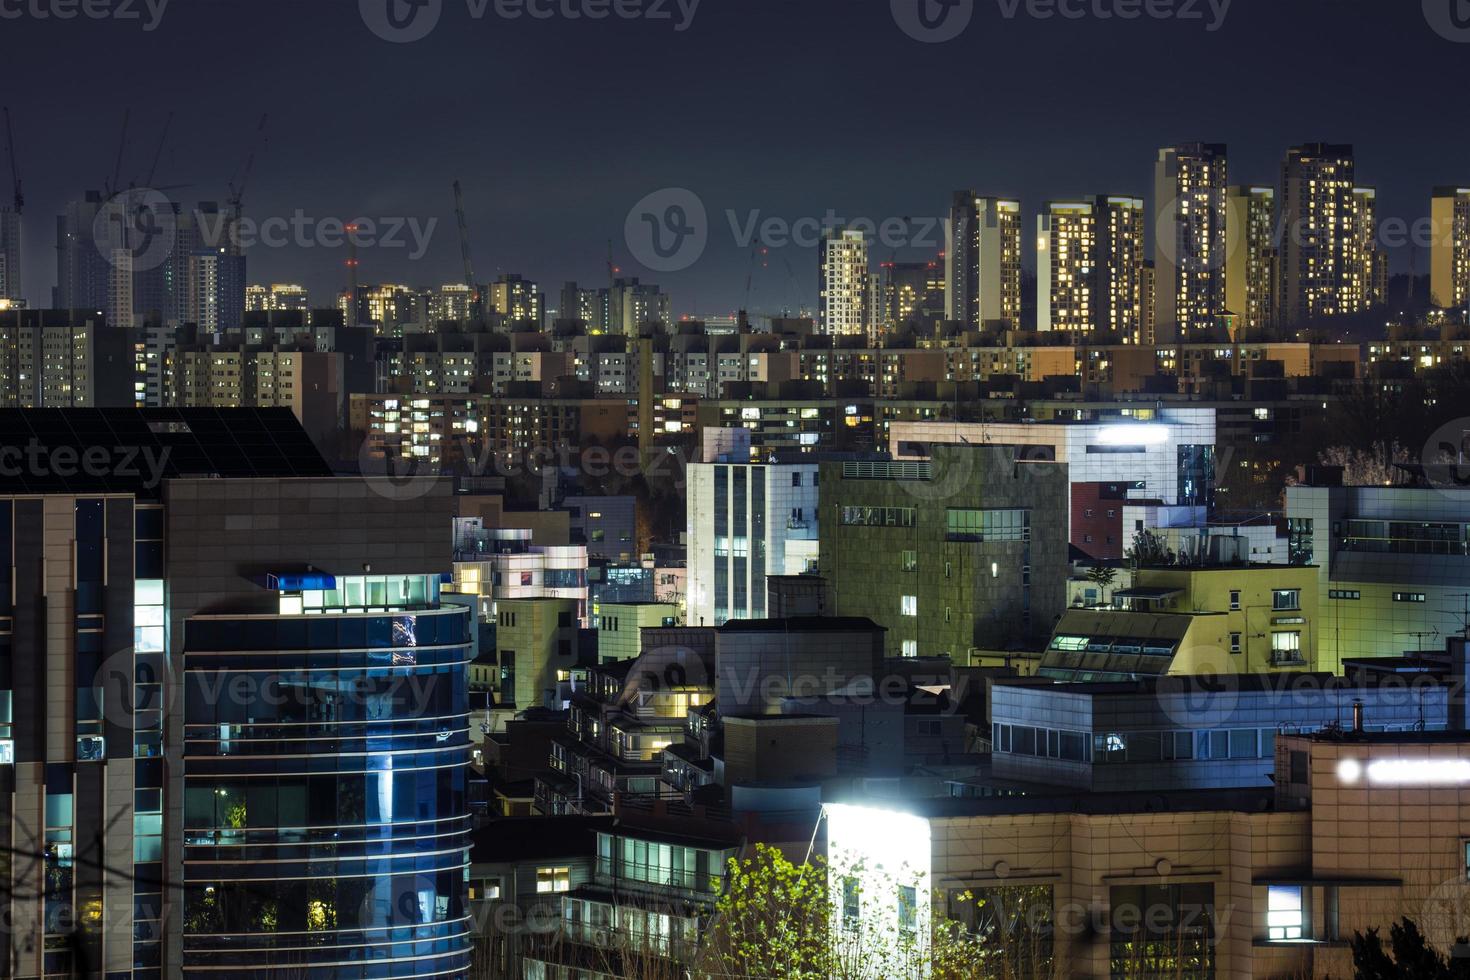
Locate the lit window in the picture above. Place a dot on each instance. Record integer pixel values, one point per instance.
(553, 880)
(910, 605)
(1284, 912)
(1286, 599)
(910, 648)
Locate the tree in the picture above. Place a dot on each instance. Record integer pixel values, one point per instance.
(1413, 956)
(1102, 576)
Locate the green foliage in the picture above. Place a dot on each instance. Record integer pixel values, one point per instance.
(1413, 957)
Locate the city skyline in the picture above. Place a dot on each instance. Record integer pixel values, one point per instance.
(551, 216)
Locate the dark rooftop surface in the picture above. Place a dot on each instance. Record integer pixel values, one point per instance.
(1248, 800)
(128, 450)
(1204, 684)
(529, 838)
(802, 624)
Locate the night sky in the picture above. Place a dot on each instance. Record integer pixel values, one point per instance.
(558, 127)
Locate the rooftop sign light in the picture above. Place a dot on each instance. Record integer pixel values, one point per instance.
(1142, 434)
(1405, 772)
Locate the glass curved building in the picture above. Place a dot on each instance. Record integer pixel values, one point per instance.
(325, 819)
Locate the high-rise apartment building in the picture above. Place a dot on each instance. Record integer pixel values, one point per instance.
(519, 300)
(12, 285)
(983, 261)
(1189, 239)
(277, 296)
(1066, 256)
(63, 359)
(1251, 265)
(451, 301)
(844, 288)
(629, 307)
(1090, 267)
(1370, 262)
(1449, 255)
(1320, 270)
(908, 292)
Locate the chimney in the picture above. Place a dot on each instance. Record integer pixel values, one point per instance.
(1357, 717)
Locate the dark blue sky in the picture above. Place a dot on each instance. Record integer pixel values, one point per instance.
(789, 107)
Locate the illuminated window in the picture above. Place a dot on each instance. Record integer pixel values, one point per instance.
(909, 605)
(1285, 907)
(1284, 599)
(553, 880)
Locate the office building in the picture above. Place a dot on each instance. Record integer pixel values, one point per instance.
(747, 521)
(1229, 618)
(1191, 732)
(1393, 565)
(151, 687)
(963, 551)
(983, 261)
(1189, 242)
(1251, 260)
(843, 286)
(1251, 883)
(620, 626)
(1113, 465)
(1320, 269)
(1449, 254)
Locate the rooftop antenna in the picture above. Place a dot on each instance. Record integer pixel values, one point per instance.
(464, 253)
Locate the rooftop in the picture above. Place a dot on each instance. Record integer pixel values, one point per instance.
(130, 450)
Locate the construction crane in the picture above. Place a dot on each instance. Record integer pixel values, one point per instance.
(158, 153)
(109, 188)
(476, 310)
(20, 200)
(238, 182)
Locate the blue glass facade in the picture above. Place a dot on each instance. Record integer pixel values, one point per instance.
(325, 812)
